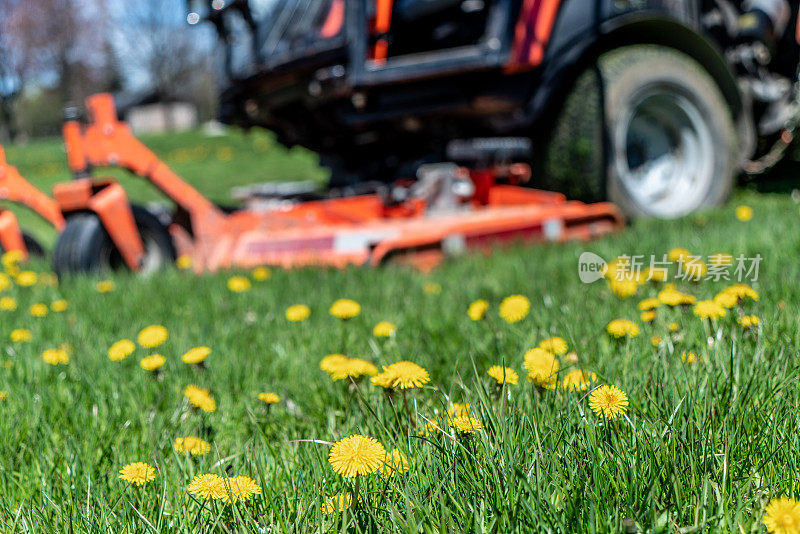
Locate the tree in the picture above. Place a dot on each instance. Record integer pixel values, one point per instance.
(157, 51)
(57, 44)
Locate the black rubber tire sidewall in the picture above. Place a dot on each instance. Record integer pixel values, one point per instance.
(628, 70)
(85, 246)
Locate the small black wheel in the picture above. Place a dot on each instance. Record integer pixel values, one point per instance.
(85, 246)
(35, 249)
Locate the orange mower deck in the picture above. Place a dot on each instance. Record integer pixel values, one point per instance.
(355, 230)
(15, 188)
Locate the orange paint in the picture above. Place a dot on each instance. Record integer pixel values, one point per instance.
(335, 232)
(334, 21)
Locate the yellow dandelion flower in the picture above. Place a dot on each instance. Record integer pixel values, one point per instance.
(608, 401)
(782, 516)
(345, 309)
(268, 398)
(672, 297)
(209, 487)
(689, 357)
(261, 273)
(138, 473)
(59, 306)
(656, 340)
(152, 336)
(406, 375)
(555, 345)
(477, 310)
(542, 368)
(11, 258)
(26, 278)
(3, 395)
(649, 304)
(383, 380)
(5, 282)
(55, 356)
(240, 488)
(20, 335)
(648, 316)
(154, 362)
(578, 379)
(674, 327)
(38, 310)
(395, 463)
(503, 375)
(8, 304)
(332, 362)
(742, 291)
(708, 309)
(184, 262)
(196, 355)
(384, 329)
(620, 328)
(353, 367)
(121, 350)
(514, 308)
(748, 321)
(726, 299)
(356, 455)
(694, 269)
(337, 503)
(200, 398)
(432, 288)
(191, 445)
(466, 425)
(105, 286)
(678, 254)
(744, 213)
(459, 409)
(430, 429)
(297, 313)
(623, 288)
(239, 284)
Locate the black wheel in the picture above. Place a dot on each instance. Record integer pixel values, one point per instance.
(572, 162)
(85, 246)
(35, 249)
(671, 135)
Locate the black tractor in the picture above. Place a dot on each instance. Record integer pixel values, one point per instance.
(656, 105)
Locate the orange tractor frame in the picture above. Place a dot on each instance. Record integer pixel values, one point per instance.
(15, 188)
(356, 230)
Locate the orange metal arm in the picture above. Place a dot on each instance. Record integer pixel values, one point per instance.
(15, 188)
(10, 234)
(108, 142)
(383, 23)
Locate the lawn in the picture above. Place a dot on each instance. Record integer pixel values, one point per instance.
(703, 445)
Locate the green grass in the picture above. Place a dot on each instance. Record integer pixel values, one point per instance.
(702, 449)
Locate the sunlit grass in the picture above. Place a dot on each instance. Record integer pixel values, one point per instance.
(701, 448)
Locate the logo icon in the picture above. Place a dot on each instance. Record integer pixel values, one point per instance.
(591, 267)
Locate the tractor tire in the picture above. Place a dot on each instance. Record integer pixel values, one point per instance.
(85, 246)
(572, 161)
(35, 249)
(671, 136)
